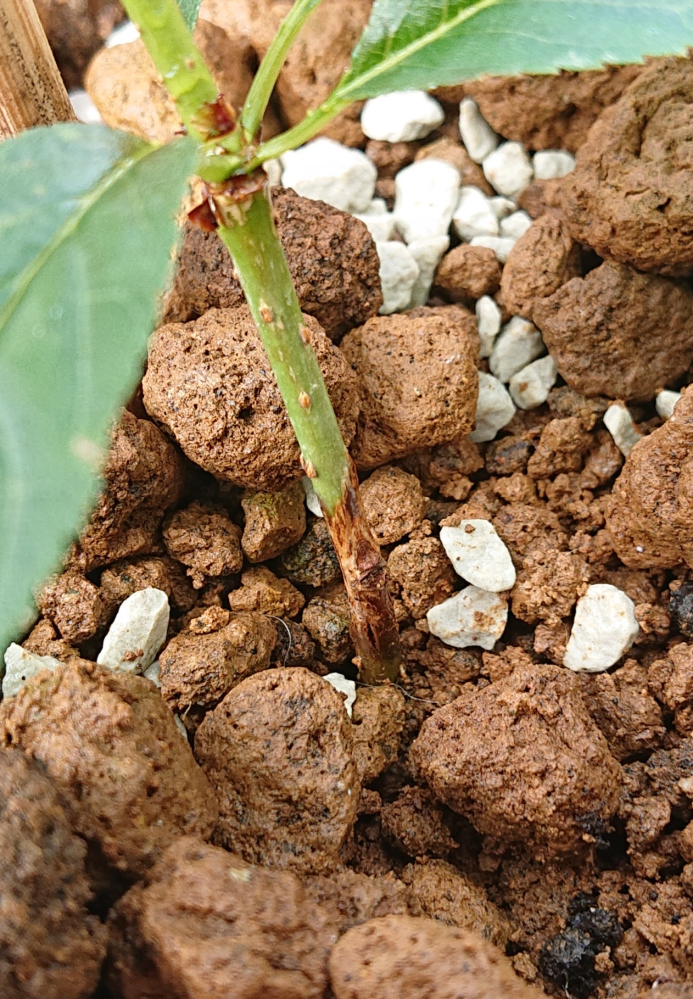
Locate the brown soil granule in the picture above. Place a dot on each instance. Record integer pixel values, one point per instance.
(206, 925)
(417, 824)
(393, 503)
(50, 948)
(204, 538)
(262, 591)
(210, 385)
(561, 448)
(274, 521)
(43, 639)
(523, 760)
(421, 574)
(377, 724)
(390, 157)
(313, 561)
(74, 604)
(200, 669)
(649, 518)
(295, 647)
(468, 272)
(417, 382)
(446, 895)
(548, 585)
(352, 898)
(327, 620)
(623, 710)
(541, 261)
(629, 195)
(397, 956)
(143, 477)
(122, 579)
(617, 332)
(75, 30)
(331, 255)
(278, 751)
(545, 112)
(109, 741)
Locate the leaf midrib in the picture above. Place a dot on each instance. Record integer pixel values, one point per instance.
(67, 229)
(391, 61)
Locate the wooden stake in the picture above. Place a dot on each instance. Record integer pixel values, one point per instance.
(32, 91)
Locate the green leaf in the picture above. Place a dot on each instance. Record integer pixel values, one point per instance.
(87, 227)
(190, 9)
(420, 44)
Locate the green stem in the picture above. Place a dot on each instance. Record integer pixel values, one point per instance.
(251, 237)
(263, 84)
(296, 136)
(170, 43)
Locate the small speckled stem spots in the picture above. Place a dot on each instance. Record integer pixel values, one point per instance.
(251, 237)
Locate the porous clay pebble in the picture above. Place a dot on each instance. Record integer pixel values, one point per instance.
(343, 686)
(109, 742)
(530, 386)
(468, 273)
(488, 317)
(477, 135)
(20, 666)
(399, 273)
(523, 760)
(285, 778)
(471, 617)
(398, 956)
(328, 171)
(665, 403)
(620, 425)
(605, 627)
(426, 196)
(508, 168)
(401, 116)
(479, 555)
(551, 163)
(494, 409)
(518, 343)
(473, 215)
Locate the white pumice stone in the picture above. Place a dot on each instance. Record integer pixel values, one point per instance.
(515, 225)
(20, 666)
(137, 633)
(604, 628)
(665, 403)
(181, 727)
(403, 116)
(344, 686)
(470, 617)
(312, 501)
(477, 135)
(488, 318)
(426, 195)
(518, 343)
(508, 169)
(502, 207)
(473, 215)
(501, 245)
(479, 555)
(153, 673)
(427, 253)
(398, 274)
(380, 226)
(494, 409)
(84, 107)
(328, 171)
(619, 423)
(124, 33)
(551, 163)
(530, 387)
